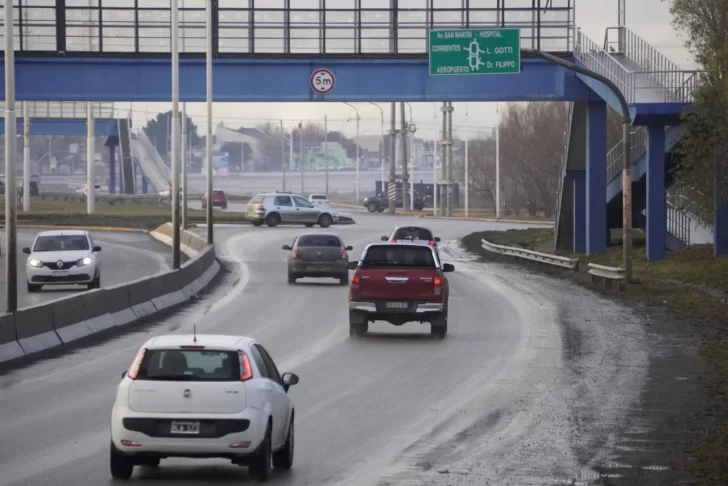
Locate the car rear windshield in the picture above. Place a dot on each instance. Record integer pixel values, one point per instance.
(61, 243)
(189, 365)
(385, 256)
(257, 199)
(318, 196)
(218, 193)
(319, 240)
(413, 233)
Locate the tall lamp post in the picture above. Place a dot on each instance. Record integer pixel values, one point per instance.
(208, 96)
(357, 149)
(381, 150)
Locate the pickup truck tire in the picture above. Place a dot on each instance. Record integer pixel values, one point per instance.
(438, 326)
(358, 325)
(372, 207)
(344, 279)
(379, 210)
(291, 279)
(273, 219)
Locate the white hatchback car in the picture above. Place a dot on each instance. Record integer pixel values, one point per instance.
(319, 200)
(63, 257)
(199, 397)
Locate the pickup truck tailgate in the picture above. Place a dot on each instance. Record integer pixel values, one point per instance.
(410, 283)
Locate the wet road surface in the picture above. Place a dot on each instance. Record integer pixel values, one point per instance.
(125, 256)
(528, 387)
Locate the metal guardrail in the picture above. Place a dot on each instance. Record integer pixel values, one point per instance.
(536, 256)
(605, 273)
(678, 223)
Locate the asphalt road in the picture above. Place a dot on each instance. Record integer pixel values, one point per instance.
(125, 257)
(528, 387)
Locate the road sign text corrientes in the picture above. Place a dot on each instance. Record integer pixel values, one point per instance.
(475, 51)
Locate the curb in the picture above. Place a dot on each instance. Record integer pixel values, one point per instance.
(85, 228)
(491, 220)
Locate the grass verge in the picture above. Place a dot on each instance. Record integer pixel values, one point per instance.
(690, 286)
(145, 215)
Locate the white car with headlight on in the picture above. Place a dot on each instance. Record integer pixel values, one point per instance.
(63, 257)
(203, 396)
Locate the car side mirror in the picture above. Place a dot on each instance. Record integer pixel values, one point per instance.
(448, 267)
(286, 247)
(123, 375)
(26, 250)
(384, 238)
(437, 239)
(97, 248)
(349, 248)
(352, 265)
(289, 379)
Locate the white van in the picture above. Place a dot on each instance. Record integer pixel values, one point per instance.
(318, 200)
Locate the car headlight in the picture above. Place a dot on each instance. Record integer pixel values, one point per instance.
(84, 261)
(34, 262)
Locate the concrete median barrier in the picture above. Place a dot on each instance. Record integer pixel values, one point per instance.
(37, 328)
(34, 328)
(9, 347)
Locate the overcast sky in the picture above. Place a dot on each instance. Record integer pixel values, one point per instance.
(649, 19)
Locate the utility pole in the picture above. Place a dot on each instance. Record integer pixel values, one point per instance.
(326, 153)
(26, 157)
(357, 156)
(208, 96)
(467, 167)
(411, 157)
(497, 163)
(381, 150)
(393, 160)
(175, 122)
(90, 160)
(443, 162)
(283, 157)
(435, 187)
(449, 160)
(300, 151)
(403, 142)
(11, 259)
(183, 161)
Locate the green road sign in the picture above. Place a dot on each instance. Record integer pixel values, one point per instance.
(475, 51)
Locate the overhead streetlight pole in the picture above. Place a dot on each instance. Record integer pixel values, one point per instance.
(26, 157)
(411, 161)
(326, 152)
(90, 160)
(11, 259)
(467, 166)
(300, 152)
(283, 157)
(357, 149)
(497, 163)
(175, 122)
(208, 97)
(381, 150)
(183, 161)
(434, 167)
(393, 159)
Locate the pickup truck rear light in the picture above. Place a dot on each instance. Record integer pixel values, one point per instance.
(355, 281)
(297, 253)
(246, 372)
(342, 252)
(260, 207)
(432, 242)
(134, 368)
(393, 241)
(438, 286)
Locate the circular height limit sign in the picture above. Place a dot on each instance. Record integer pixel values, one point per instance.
(323, 81)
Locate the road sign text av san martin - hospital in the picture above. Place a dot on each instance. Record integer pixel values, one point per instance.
(475, 51)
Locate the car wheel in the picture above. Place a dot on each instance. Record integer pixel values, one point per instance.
(291, 278)
(438, 326)
(261, 466)
(33, 288)
(325, 220)
(358, 325)
(380, 210)
(372, 207)
(344, 280)
(283, 459)
(120, 465)
(273, 220)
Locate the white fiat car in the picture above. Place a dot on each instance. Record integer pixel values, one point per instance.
(199, 397)
(63, 257)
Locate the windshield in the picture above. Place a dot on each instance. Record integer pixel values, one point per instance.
(378, 256)
(218, 193)
(318, 196)
(256, 199)
(189, 365)
(319, 240)
(413, 233)
(61, 243)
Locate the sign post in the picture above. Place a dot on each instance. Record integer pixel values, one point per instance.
(457, 52)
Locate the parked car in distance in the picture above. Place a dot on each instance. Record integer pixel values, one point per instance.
(380, 202)
(63, 257)
(285, 208)
(203, 396)
(399, 283)
(319, 200)
(318, 255)
(219, 199)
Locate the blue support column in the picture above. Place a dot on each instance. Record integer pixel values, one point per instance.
(579, 179)
(112, 169)
(720, 212)
(145, 185)
(121, 178)
(656, 198)
(596, 178)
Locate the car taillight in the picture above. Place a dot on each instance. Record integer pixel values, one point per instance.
(134, 368)
(438, 286)
(260, 207)
(297, 253)
(355, 281)
(342, 252)
(432, 242)
(393, 241)
(246, 372)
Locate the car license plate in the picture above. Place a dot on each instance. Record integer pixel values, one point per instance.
(396, 305)
(60, 273)
(188, 428)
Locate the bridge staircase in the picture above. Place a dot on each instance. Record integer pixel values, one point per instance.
(645, 77)
(149, 161)
(127, 160)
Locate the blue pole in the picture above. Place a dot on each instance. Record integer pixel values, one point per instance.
(145, 185)
(112, 169)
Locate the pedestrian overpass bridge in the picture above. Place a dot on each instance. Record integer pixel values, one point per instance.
(377, 49)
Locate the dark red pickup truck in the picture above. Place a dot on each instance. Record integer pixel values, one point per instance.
(399, 283)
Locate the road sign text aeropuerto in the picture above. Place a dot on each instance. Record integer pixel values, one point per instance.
(475, 51)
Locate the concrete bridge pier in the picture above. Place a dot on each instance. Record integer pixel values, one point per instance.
(656, 224)
(596, 181)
